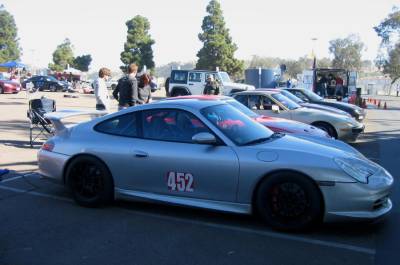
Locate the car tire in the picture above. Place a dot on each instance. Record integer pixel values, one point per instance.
(289, 201)
(53, 88)
(179, 92)
(327, 128)
(90, 182)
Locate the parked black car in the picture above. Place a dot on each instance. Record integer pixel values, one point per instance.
(309, 96)
(50, 83)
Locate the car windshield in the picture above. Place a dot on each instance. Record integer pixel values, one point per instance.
(51, 78)
(311, 95)
(292, 97)
(225, 77)
(242, 108)
(285, 101)
(235, 125)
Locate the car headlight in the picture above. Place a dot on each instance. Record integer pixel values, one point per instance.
(358, 169)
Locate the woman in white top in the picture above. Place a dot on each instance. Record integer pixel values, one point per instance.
(100, 90)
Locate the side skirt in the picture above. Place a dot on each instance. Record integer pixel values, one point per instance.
(192, 202)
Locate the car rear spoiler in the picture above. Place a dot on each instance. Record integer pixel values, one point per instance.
(57, 116)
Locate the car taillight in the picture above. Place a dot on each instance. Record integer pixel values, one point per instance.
(48, 146)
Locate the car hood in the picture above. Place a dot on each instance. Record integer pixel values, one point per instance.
(326, 108)
(331, 143)
(306, 149)
(10, 82)
(290, 126)
(238, 86)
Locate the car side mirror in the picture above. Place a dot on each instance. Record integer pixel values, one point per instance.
(275, 109)
(204, 138)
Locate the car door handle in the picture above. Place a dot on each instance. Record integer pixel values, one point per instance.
(140, 154)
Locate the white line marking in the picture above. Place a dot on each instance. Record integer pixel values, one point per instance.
(35, 193)
(276, 235)
(11, 179)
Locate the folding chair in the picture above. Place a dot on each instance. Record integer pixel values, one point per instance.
(37, 108)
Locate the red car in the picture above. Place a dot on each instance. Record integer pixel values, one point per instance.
(8, 86)
(274, 124)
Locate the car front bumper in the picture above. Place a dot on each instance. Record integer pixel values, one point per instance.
(350, 134)
(358, 201)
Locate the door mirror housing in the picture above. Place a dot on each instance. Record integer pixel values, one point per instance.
(275, 109)
(204, 138)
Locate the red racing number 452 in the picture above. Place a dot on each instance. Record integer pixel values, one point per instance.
(177, 181)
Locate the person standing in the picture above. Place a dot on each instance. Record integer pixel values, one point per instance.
(144, 93)
(397, 90)
(211, 87)
(127, 91)
(100, 90)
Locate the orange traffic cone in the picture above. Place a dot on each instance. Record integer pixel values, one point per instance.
(385, 106)
(379, 104)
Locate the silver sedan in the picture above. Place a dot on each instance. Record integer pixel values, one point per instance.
(275, 104)
(207, 154)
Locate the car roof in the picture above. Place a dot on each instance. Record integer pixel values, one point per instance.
(201, 97)
(196, 103)
(259, 92)
(193, 70)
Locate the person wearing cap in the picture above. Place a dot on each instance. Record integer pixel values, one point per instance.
(211, 87)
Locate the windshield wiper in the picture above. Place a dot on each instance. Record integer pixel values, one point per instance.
(263, 139)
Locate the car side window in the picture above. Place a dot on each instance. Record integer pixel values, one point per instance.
(123, 125)
(255, 102)
(266, 103)
(242, 99)
(195, 77)
(300, 95)
(179, 77)
(171, 125)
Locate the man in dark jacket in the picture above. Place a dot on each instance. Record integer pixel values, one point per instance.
(211, 87)
(127, 91)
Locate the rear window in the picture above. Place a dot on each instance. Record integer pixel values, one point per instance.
(123, 125)
(179, 77)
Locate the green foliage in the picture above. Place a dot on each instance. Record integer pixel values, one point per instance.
(389, 27)
(218, 49)
(9, 47)
(137, 48)
(62, 56)
(324, 63)
(165, 70)
(392, 65)
(347, 52)
(82, 62)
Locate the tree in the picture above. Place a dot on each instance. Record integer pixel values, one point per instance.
(324, 62)
(137, 48)
(218, 49)
(9, 47)
(389, 27)
(389, 31)
(347, 52)
(82, 62)
(165, 70)
(62, 56)
(392, 65)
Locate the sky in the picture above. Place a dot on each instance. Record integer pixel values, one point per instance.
(278, 28)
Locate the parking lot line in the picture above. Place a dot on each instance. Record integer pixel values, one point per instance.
(271, 234)
(11, 179)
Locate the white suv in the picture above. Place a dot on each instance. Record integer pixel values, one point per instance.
(192, 82)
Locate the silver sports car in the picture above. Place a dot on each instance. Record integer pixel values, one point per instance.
(207, 154)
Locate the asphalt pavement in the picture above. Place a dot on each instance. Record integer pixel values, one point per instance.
(40, 224)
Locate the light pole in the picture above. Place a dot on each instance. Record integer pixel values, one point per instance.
(314, 40)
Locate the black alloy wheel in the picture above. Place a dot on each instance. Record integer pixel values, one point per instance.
(289, 201)
(90, 182)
